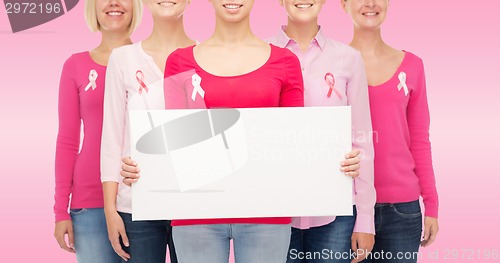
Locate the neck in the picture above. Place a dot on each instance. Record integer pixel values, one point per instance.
(166, 35)
(368, 42)
(112, 40)
(302, 33)
(232, 33)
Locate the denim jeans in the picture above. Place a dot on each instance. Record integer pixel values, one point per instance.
(328, 243)
(253, 243)
(91, 236)
(398, 232)
(148, 240)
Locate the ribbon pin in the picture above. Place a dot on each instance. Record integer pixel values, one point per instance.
(196, 81)
(330, 80)
(92, 78)
(402, 82)
(140, 78)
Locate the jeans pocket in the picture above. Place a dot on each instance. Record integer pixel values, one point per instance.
(78, 211)
(407, 210)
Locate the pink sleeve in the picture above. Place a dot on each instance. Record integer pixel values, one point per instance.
(68, 140)
(292, 93)
(420, 146)
(365, 196)
(178, 87)
(175, 96)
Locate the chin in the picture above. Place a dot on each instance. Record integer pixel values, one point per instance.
(233, 18)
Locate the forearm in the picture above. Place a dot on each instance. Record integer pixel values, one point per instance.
(110, 192)
(418, 116)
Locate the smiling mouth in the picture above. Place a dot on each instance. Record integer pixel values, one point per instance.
(232, 6)
(370, 14)
(115, 13)
(303, 6)
(166, 3)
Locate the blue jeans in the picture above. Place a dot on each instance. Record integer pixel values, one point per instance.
(148, 240)
(253, 243)
(91, 236)
(398, 232)
(328, 243)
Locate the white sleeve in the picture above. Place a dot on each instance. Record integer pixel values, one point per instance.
(114, 122)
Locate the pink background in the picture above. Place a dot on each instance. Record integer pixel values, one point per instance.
(457, 41)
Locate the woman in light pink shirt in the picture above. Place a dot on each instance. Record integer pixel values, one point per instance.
(334, 75)
(400, 118)
(81, 91)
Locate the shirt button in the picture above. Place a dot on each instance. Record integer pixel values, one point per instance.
(303, 69)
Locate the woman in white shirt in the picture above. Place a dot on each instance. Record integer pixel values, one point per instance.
(134, 80)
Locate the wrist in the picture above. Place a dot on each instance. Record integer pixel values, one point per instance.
(110, 210)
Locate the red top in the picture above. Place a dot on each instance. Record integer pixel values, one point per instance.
(277, 83)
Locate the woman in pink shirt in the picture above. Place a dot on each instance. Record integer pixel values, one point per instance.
(81, 93)
(326, 65)
(400, 118)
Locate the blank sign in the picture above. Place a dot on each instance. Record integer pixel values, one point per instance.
(231, 163)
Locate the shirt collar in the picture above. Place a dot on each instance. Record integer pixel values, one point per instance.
(283, 40)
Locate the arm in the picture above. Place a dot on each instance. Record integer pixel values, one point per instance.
(292, 92)
(365, 197)
(68, 143)
(420, 148)
(174, 91)
(113, 131)
(114, 222)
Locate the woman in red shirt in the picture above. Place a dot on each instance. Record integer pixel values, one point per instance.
(269, 77)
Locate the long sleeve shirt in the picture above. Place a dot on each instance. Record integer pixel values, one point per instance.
(400, 116)
(133, 82)
(325, 64)
(277, 83)
(81, 92)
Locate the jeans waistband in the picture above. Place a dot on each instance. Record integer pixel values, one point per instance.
(392, 204)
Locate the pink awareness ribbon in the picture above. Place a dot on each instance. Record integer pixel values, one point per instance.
(140, 78)
(330, 80)
(92, 78)
(197, 89)
(402, 83)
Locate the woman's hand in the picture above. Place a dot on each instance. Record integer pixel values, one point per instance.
(62, 229)
(116, 230)
(350, 165)
(130, 171)
(362, 243)
(431, 229)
